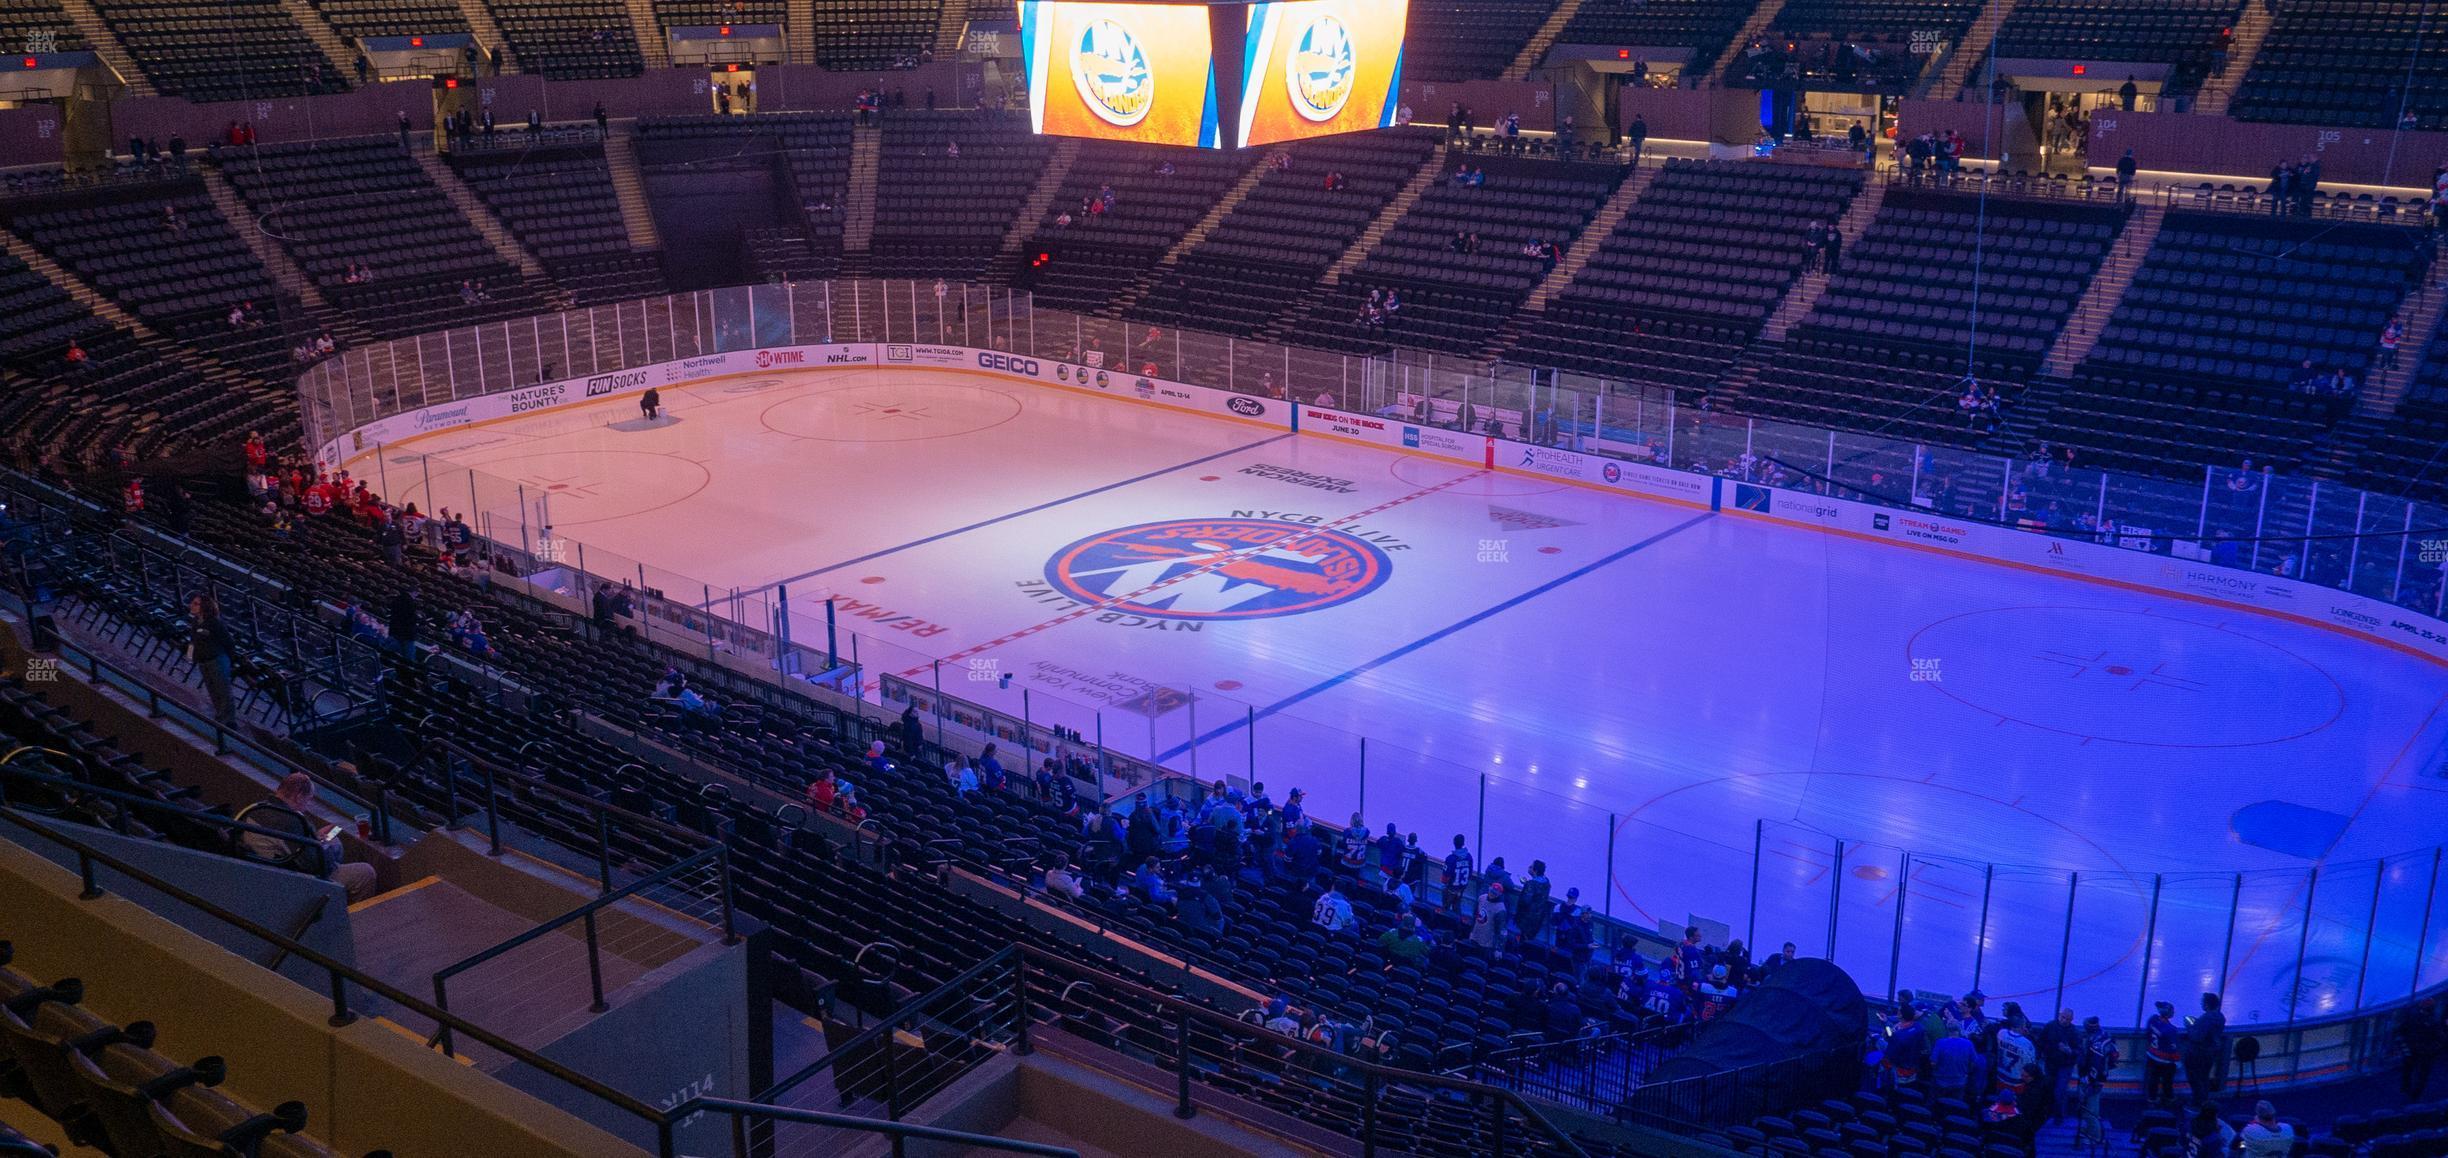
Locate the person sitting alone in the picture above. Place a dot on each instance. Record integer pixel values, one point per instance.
(294, 796)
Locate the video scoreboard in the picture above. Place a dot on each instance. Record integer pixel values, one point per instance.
(1214, 76)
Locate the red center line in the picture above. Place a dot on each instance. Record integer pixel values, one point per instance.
(1225, 560)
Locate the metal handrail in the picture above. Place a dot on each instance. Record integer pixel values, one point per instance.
(586, 912)
(139, 800)
(1376, 1073)
(885, 1025)
(740, 1111)
(342, 975)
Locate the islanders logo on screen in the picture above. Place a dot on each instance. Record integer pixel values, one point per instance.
(1218, 569)
(1318, 70)
(1111, 71)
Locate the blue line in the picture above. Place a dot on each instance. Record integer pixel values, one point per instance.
(1432, 637)
(1048, 504)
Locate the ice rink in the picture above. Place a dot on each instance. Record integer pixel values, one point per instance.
(1921, 759)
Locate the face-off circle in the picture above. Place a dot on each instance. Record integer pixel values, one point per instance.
(2125, 677)
(1219, 569)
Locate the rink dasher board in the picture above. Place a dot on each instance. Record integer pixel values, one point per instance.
(2342, 611)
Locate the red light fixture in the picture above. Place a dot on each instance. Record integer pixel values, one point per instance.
(30, 62)
(726, 30)
(450, 82)
(416, 42)
(2081, 69)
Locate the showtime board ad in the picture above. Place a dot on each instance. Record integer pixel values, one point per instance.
(1121, 72)
(1314, 67)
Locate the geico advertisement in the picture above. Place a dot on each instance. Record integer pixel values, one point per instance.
(1321, 66)
(1122, 72)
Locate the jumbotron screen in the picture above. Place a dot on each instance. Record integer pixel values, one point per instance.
(1316, 67)
(1121, 72)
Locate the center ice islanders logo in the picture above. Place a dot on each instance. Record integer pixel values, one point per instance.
(1319, 71)
(1111, 72)
(1218, 569)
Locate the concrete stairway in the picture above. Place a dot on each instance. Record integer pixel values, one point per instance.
(652, 44)
(629, 187)
(2420, 315)
(84, 295)
(89, 25)
(1968, 54)
(504, 243)
(799, 31)
(488, 34)
(1587, 242)
(1542, 40)
(339, 54)
(1807, 291)
(2218, 91)
(1032, 211)
(2099, 301)
(1430, 172)
(285, 272)
(1752, 28)
(950, 27)
(1190, 238)
(858, 208)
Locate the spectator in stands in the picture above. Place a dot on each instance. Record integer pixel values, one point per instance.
(2390, 336)
(1717, 993)
(2060, 1048)
(2307, 184)
(295, 793)
(1833, 253)
(2281, 187)
(1907, 1047)
(2265, 1136)
(2127, 94)
(1531, 905)
(2206, 1135)
(2205, 1050)
(77, 359)
(2419, 1039)
(209, 647)
(603, 121)
(1460, 875)
(1333, 911)
(2096, 1057)
(1488, 922)
(1953, 1061)
(2125, 170)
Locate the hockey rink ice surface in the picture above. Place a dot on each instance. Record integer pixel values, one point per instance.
(1659, 697)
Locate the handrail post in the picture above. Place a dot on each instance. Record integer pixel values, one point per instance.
(450, 788)
(1370, 1084)
(1497, 1143)
(603, 848)
(85, 869)
(594, 966)
(892, 1076)
(492, 809)
(730, 919)
(1020, 1001)
(1181, 1069)
(442, 1002)
(340, 1009)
